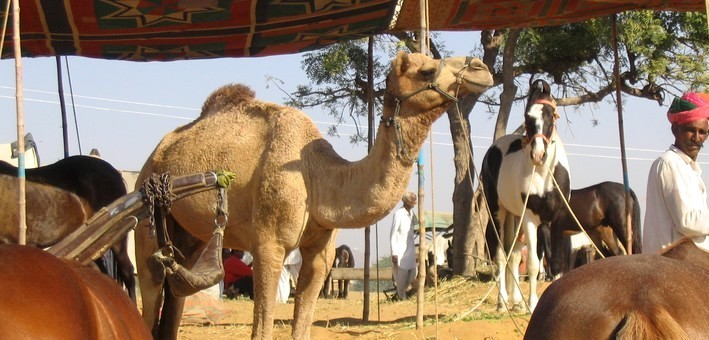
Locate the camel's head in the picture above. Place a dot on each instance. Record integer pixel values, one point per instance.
(419, 81)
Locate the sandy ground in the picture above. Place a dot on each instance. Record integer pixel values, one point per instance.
(465, 309)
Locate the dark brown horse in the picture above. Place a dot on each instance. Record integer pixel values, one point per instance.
(645, 296)
(599, 205)
(343, 259)
(44, 297)
(60, 198)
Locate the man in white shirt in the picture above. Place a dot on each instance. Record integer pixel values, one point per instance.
(290, 271)
(676, 194)
(403, 252)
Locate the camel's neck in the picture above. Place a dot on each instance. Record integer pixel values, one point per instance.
(357, 194)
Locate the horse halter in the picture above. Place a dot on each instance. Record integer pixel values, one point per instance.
(556, 116)
(402, 151)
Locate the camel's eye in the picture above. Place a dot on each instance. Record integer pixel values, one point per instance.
(427, 73)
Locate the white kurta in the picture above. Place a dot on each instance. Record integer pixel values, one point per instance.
(676, 203)
(402, 238)
(290, 271)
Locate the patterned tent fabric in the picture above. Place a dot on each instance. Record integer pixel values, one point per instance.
(146, 30)
(472, 15)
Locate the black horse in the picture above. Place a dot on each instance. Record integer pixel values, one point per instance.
(96, 183)
(596, 206)
(343, 259)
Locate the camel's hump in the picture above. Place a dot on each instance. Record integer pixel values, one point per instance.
(227, 95)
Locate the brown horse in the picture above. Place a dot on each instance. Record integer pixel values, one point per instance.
(60, 198)
(43, 297)
(645, 296)
(596, 206)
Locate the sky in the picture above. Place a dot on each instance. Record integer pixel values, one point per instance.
(123, 109)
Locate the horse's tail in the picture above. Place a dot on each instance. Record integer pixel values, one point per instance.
(637, 236)
(658, 325)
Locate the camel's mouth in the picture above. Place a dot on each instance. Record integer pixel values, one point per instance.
(478, 84)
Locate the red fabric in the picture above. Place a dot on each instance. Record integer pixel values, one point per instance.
(701, 100)
(235, 269)
(177, 30)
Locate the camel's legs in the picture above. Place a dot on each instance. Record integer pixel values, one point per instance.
(318, 255)
(268, 263)
(151, 284)
(173, 306)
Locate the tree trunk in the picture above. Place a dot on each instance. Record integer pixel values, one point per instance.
(464, 238)
(468, 231)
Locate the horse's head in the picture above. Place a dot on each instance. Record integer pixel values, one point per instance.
(540, 120)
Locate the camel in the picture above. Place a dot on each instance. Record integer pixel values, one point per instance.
(291, 188)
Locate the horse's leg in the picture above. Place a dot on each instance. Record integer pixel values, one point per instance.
(544, 250)
(559, 251)
(317, 261)
(505, 227)
(125, 266)
(513, 281)
(530, 223)
(616, 245)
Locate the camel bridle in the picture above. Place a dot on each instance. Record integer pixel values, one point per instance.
(401, 151)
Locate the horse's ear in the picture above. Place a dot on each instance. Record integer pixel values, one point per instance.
(401, 63)
(541, 86)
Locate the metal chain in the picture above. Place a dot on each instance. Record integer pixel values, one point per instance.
(157, 191)
(222, 217)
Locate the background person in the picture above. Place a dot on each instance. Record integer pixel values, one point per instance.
(290, 271)
(238, 276)
(403, 252)
(676, 194)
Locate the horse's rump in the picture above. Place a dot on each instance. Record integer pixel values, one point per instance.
(42, 296)
(637, 296)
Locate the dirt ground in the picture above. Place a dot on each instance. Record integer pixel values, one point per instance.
(466, 310)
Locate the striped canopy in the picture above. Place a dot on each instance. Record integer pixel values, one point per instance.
(146, 30)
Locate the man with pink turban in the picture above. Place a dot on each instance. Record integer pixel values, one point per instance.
(676, 194)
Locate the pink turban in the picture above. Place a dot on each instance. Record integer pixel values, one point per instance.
(691, 107)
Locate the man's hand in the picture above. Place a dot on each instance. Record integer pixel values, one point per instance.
(394, 261)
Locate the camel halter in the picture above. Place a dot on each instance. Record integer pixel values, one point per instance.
(401, 150)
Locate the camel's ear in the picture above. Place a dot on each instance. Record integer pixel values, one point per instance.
(401, 63)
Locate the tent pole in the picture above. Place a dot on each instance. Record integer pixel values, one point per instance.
(370, 142)
(423, 41)
(621, 129)
(60, 89)
(22, 203)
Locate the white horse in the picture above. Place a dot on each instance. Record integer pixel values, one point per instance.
(518, 177)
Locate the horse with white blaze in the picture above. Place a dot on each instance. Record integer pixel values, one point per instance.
(520, 175)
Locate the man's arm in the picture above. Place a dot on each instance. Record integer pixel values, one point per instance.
(688, 211)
